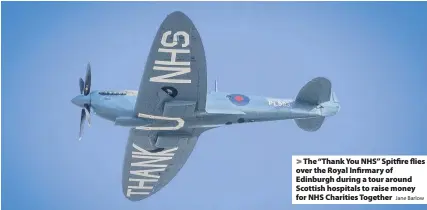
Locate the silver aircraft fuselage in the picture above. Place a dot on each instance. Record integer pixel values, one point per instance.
(221, 109)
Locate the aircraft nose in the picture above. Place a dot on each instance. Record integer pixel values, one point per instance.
(80, 100)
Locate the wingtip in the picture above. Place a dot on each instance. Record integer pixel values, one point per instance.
(178, 15)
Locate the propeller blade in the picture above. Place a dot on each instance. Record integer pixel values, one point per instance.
(82, 84)
(87, 109)
(87, 80)
(82, 118)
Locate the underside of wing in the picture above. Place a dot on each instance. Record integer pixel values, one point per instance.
(175, 68)
(152, 159)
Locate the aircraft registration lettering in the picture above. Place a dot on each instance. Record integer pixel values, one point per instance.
(279, 102)
(176, 67)
(144, 170)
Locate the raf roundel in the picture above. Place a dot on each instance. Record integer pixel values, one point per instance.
(238, 99)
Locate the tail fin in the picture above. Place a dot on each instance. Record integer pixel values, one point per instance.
(315, 92)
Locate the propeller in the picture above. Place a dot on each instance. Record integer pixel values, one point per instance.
(82, 118)
(87, 80)
(82, 84)
(85, 90)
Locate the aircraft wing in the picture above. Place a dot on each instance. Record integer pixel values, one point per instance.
(173, 87)
(175, 68)
(146, 169)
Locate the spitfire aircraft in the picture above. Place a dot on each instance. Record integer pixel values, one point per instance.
(172, 108)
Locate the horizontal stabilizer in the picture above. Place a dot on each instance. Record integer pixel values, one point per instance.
(334, 98)
(311, 124)
(315, 92)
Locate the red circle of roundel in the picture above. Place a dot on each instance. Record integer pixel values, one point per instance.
(238, 99)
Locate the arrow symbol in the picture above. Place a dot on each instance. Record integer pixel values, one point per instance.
(298, 161)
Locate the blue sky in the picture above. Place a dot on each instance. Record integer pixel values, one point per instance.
(374, 54)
